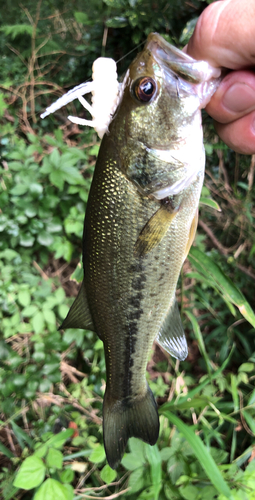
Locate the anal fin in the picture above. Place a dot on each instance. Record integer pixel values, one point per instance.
(171, 335)
(79, 314)
(154, 231)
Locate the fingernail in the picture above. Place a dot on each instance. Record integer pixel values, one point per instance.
(239, 97)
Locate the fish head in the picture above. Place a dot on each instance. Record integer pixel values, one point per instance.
(162, 90)
(157, 129)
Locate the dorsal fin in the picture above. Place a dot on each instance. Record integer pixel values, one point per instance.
(171, 335)
(79, 314)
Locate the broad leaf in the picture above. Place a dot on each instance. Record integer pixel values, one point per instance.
(54, 490)
(30, 474)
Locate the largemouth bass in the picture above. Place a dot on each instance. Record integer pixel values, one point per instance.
(140, 222)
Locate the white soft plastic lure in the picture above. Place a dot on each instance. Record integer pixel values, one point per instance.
(105, 90)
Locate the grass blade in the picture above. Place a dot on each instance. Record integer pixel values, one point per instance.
(199, 387)
(21, 436)
(202, 455)
(5, 451)
(221, 282)
(200, 340)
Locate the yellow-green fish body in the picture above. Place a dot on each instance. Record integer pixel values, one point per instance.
(140, 221)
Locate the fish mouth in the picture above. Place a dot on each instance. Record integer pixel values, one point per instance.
(179, 63)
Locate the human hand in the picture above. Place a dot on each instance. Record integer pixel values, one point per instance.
(224, 36)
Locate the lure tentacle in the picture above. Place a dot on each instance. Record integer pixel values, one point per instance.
(105, 92)
(75, 93)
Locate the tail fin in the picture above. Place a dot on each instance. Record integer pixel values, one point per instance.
(136, 417)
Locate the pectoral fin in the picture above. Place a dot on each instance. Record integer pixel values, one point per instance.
(192, 233)
(171, 335)
(154, 231)
(79, 315)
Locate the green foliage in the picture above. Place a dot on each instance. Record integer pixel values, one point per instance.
(17, 29)
(47, 459)
(50, 381)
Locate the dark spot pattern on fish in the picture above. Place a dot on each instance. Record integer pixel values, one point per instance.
(138, 282)
(135, 314)
(128, 361)
(137, 268)
(136, 300)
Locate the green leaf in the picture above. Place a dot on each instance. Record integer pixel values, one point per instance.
(35, 188)
(131, 462)
(45, 239)
(63, 310)
(97, 455)
(246, 367)
(107, 474)
(3, 105)
(67, 476)
(55, 158)
(38, 322)
(53, 490)
(30, 474)
(78, 273)
(222, 283)
(54, 459)
(26, 240)
(15, 30)
(41, 451)
(154, 460)
(189, 492)
(72, 175)
(19, 189)
(49, 316)
(202, 454)
(59, 440)
(81, 17)
(136, 446)
(5, 451)
(136, 480)
(117, 22)
(24, 298)
(58, 179)
(30, 211)
(209, 202)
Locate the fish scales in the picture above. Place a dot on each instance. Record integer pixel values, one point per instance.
(122, 288)
(140, 221)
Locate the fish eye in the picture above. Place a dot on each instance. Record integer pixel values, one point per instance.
(144, 88)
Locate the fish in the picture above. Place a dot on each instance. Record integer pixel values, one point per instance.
(140, 223)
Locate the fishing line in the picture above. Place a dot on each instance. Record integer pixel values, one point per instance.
(130, 52)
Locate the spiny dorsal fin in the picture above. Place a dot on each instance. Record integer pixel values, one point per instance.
(171, 335)
(154, 231)
(79, 314)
